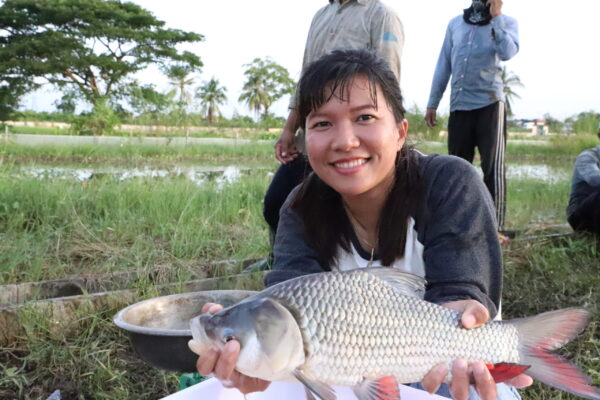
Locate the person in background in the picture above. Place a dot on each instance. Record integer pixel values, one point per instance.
(583, 211)
(475, 43)
(341, 24)
(372, 201)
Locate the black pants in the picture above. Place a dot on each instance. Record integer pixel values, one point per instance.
(587, 216)
(484, 129)
(287, 177)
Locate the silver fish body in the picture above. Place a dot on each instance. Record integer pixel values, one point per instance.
(355, 327)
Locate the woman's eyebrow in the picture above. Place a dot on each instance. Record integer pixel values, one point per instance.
(321, 114)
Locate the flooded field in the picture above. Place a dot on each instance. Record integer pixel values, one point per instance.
(200, 175)
(229, 174)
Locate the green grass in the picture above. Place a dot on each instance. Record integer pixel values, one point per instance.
(205, 154)
(53, 228)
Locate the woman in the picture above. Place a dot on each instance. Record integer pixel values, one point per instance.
(372, 201)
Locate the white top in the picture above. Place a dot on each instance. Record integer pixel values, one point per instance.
(412, 262)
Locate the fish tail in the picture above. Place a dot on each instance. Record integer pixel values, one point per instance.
(543, 333)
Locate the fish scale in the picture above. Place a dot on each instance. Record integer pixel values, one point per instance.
(357, 323)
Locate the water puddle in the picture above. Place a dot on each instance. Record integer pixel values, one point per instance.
(200, 175)
(539, 172)
(221, 175)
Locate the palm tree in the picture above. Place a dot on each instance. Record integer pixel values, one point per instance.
(266, 82)
(180, 80)
(509, 81)
(211, 95)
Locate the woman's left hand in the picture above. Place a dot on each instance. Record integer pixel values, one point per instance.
(474, 314)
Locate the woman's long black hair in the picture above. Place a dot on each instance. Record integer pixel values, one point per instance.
(326, 223)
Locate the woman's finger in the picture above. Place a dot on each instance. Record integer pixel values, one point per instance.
(227, 360)
(484, 383)
(211, 308)
(520, 381)
(434, 378)
(206, 363)
(459, 386)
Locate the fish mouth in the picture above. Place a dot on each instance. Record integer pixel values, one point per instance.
(200, 340)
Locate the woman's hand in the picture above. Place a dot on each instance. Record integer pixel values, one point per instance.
(221, 364)
(474, 314)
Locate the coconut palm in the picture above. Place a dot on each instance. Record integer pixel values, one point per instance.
(266, 82)
(510, 80)
(180, 81)
(211, 95)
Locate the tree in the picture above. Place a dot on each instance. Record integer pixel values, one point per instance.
(180, 81)
(93, 46)
(211, 96)
(509, 81)
(145, 100)
(266, 82)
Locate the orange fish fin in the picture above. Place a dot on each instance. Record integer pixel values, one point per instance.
(385, 388)
(502, 372)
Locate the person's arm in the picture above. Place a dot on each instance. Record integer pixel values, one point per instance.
(505, 32)
(387, 39)
(586, 166)
(293, 255)
(285, 147)
(441, 76)
(462, 253)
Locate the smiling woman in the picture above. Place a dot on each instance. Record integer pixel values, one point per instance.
(374, 202)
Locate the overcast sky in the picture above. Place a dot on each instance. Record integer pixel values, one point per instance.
(558, 62)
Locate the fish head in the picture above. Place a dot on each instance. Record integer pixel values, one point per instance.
(271, 344)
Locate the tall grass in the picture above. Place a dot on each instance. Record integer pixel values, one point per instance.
(13, 153)
(55, 228)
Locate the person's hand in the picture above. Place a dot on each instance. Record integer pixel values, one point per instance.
(285, 148)
(221, 363)
(495, 7)
(430, 117)
(474, 314)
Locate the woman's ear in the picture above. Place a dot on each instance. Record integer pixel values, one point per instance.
(402, 127)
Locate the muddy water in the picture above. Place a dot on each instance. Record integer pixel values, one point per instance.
(197, 174)
(229, 174)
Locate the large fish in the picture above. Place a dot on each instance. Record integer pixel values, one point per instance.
(371, 330)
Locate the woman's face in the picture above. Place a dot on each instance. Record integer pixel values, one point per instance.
(352, 145)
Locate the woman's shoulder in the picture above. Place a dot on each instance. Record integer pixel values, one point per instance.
(434, 165)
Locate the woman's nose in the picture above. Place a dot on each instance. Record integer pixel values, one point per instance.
(345, 138)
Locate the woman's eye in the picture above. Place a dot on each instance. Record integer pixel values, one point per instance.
(320, 124)
(365, 117)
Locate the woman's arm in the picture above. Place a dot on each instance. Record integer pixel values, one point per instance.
(293, 255)
(458, 229)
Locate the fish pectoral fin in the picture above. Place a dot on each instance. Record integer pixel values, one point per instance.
(403, 282)
(320, 389)
(309, 394)
(385, 388)
(502, 372)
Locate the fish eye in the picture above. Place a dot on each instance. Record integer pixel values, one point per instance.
(228, 335)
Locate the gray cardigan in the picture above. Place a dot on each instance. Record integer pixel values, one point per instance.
(456, 226)
(586, 178)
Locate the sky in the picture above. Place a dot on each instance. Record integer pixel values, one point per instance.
(558, 61)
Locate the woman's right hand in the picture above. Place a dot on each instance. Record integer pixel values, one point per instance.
(221, 363)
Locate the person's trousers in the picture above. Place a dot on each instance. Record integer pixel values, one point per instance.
(287, 177)
(484, 129)
(587, 216)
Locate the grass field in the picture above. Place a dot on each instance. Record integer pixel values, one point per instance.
(56, 228)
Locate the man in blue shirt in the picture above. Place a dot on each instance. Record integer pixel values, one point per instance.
(474, 45)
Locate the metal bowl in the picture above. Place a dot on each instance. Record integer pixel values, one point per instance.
(159, 327)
